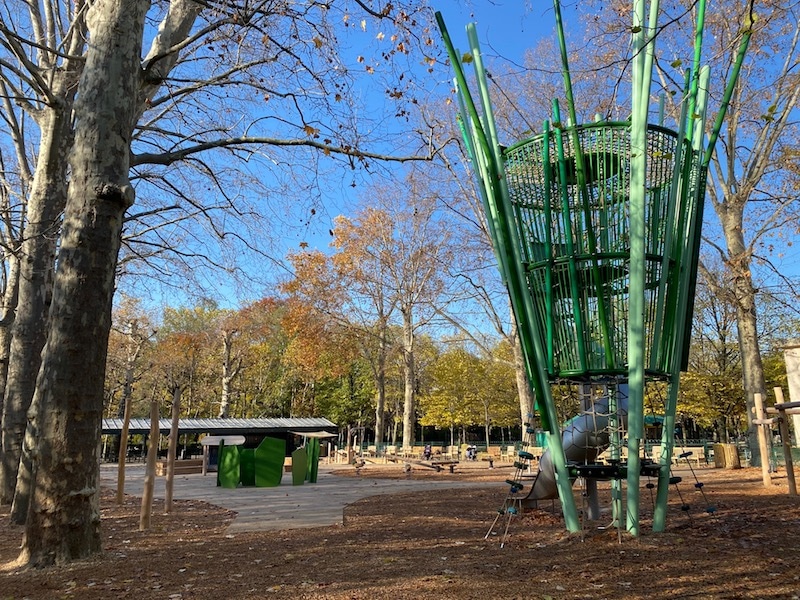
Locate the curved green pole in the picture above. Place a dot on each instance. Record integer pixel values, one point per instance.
(498, 195)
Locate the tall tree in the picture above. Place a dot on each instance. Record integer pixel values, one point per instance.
(63, 518)
(348, 288)
(454, 387)
(407, 245)
(40, 77)
(117, 89)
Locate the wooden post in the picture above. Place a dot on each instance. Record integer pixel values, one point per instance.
(123, 450)
(150, 468)
(786, 442)
(173, 448)
(762, 439)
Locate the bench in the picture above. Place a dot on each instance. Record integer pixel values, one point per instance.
(182, 467)
(697, 455)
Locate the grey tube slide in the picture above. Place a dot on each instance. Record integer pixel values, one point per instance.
(584, 438)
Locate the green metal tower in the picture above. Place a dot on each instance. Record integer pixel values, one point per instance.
(596, 229)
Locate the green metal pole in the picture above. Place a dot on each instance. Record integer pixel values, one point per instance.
(698, 48)
(582, 193)
(676, 192)
(569, 241)
(637, 265)
(683, 329)
(548, 216)
(523, 297)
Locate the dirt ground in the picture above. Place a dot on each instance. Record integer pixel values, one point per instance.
(431, 545)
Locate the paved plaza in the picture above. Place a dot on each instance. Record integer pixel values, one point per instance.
(285, 506)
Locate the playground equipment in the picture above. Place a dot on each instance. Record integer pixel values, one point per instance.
(782, 410)
(513, 503)
(263, 466)
(596, 229)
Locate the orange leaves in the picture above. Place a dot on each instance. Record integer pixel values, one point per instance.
(316, 347)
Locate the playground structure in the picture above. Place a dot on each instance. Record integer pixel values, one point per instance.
(263, 466)
(596, 230)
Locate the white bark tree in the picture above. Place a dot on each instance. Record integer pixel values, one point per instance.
(63, 521)
(41, 78)
(231, 367)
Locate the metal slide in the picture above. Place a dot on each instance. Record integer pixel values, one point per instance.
(584, 438)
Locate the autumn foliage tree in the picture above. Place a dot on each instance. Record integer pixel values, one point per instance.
(399, 249)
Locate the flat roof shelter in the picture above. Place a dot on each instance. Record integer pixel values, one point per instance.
(276, 426)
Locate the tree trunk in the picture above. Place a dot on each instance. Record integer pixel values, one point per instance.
(135, 343)
(7, 314)
(37, 260)
(487, 424)
(746, 320)
(123, 450)
(523, 387)
(409, 379)
(63, 521)
(25, 474)
(380, 377)
(173, 447)
(227, 375)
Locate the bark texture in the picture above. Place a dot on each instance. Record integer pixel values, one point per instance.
(739, 265)
(46, 199)
(36, 264)
(63, 521)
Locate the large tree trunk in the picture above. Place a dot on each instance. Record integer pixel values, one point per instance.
(46, 199)
(409, 379)
(63, 518)
(37, 261)
(752, 366)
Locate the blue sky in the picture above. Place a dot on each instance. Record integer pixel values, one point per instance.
(506, 28)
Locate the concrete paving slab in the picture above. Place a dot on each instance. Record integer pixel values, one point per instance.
(285, 506)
